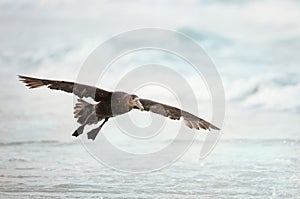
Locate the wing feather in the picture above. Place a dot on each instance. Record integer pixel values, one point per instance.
(174, 113)
(80, 90)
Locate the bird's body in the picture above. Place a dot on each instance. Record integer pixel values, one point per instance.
(113, 105)
(110, 104)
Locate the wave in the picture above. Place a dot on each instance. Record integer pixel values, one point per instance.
(288, 141)
(31, 142)
(276, 92)
(205, 37)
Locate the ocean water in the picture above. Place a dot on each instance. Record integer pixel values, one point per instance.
(255, 47)
(233, 170)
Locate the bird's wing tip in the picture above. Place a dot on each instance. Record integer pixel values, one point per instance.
(31, 82)
(21, 76)
(214, 127)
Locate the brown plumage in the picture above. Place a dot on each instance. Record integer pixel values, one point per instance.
(111, 104)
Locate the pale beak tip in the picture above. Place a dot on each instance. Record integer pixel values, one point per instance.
(141, 107)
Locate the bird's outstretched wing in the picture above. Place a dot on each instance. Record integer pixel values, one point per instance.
(174, 113)
(80, 90)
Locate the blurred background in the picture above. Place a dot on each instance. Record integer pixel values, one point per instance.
(255, 46)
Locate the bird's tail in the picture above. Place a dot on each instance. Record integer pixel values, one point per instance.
(85, 112)
(34, 82)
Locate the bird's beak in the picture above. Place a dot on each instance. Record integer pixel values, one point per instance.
(136, 102)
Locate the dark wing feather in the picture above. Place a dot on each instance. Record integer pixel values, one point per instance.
(80, 90)
(174, 113)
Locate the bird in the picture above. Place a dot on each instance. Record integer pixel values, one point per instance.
(110, 104)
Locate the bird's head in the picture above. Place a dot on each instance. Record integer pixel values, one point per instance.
(134, 101)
